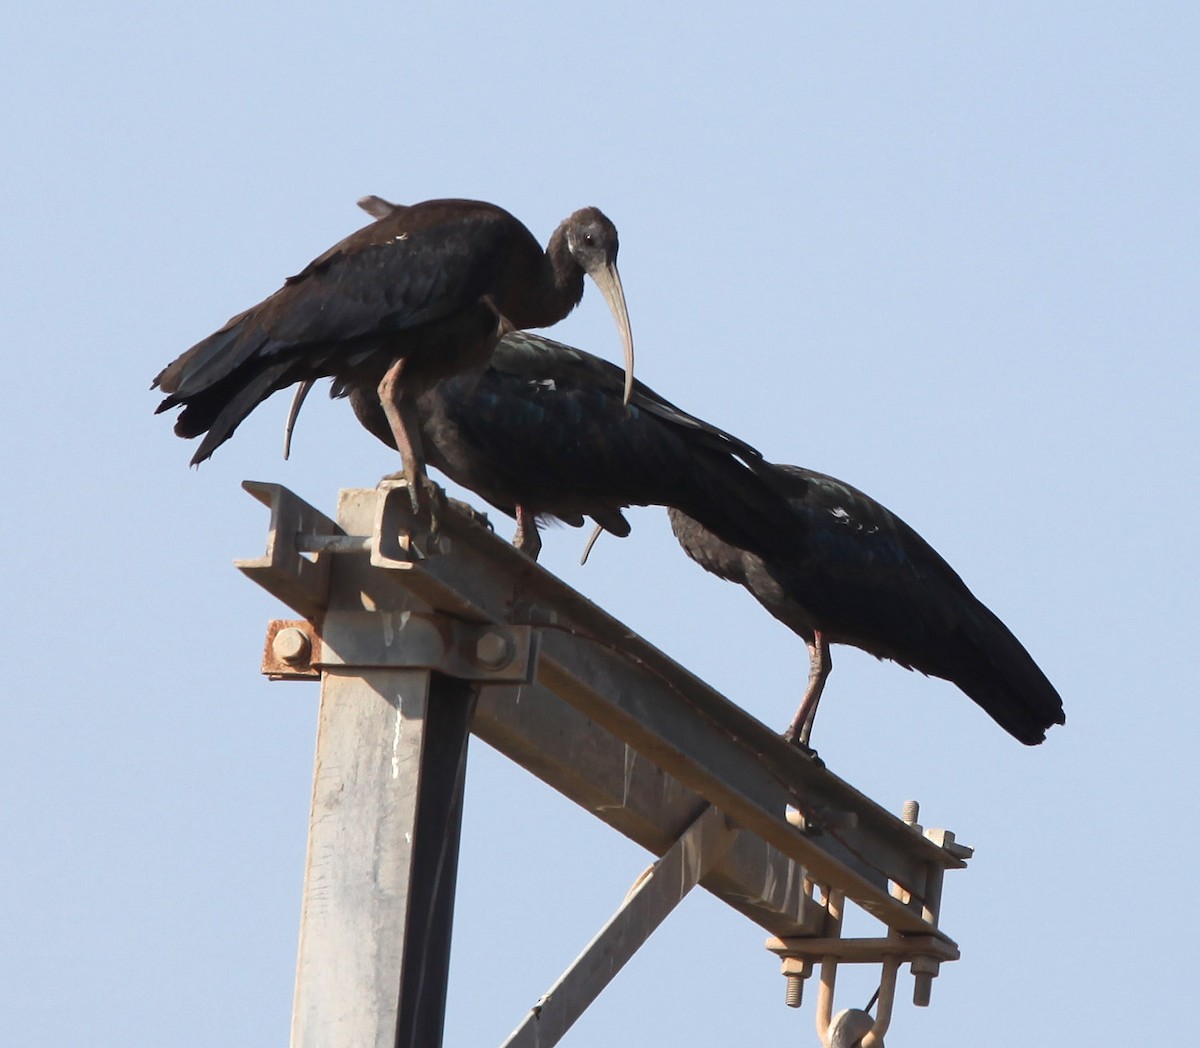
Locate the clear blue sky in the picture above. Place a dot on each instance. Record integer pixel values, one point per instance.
(946, 252)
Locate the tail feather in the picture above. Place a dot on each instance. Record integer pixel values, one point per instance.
(221, 416)
(209, 361)
(1006, 682)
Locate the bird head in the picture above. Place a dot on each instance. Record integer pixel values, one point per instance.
(593, 243)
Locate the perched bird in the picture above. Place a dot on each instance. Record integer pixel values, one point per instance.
(424, 292)
(544, 433)
(857, 574)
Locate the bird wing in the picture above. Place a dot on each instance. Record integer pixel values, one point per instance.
(871, 575)
(412, 267)
(401, 271)
(541, 359)
(881, 586)
(545, 427)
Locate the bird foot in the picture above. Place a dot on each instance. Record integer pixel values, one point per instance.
(528, 542)
(803, 746)
(478, 516)
(527, 539)
(424, 492)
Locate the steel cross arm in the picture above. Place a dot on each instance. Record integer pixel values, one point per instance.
(652, 898)
(520, 588)
(551, 739)
(661, 723)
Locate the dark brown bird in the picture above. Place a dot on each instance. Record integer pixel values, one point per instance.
(857, 574)
(424, 292)
(543, 434)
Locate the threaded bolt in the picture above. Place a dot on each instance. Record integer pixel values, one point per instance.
(911, 812)
(795, 970)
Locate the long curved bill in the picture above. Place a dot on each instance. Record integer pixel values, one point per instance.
(293, 414)
(608, 280)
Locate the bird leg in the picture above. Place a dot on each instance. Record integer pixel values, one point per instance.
(405, 424)
(527, 539)
(820, 663)
(597, 531)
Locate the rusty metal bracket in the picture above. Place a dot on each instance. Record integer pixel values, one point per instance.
(288, 654)
(298, 649)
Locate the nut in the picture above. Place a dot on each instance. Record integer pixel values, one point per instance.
(493, 650)
(291, 645)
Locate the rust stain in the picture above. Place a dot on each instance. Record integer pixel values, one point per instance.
(275, 668)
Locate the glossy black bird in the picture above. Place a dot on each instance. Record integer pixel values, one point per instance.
(424, 292)
(857, 574)
(544, 433)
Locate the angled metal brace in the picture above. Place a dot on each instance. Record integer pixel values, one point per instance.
(653, 896)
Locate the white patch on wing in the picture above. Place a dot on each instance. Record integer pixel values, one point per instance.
(546, 383)
(842, 516)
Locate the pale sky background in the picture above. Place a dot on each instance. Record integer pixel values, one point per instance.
(946, 252)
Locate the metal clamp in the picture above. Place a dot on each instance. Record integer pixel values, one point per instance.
(298, 649)
(853, 1027)
(301, 582)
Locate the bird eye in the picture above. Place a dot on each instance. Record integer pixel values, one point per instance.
(589, 239)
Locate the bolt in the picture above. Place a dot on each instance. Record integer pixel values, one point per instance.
(493, 650)
(924, 969)
(796, 971)
(911, 812)
(291, 645)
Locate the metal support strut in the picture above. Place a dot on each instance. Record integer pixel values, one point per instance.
(417, 642)
(653, 896)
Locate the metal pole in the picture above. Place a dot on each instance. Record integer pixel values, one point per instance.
(426, 963)
(382, 860)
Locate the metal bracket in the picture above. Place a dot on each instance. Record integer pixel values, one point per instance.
(401, 535)
(301, 582)
(852, 1027)
(288, 654)
(428, 640)
(300, 650)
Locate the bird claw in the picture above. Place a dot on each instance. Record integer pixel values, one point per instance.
(795, 740)
(424, 491)
(528, 542)
(527, 538)
(478, 516)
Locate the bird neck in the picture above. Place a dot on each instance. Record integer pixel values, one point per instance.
(559, 284)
